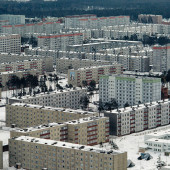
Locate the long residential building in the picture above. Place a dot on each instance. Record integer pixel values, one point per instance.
(32, 28)
(129, 89)
(27, 115)
(36, 153)
(24, 65)
(68, 98)
(10, 43)
(93, 22)
(86, 131)
(60, 41)
(76, 77)
(64, 64)
(13, 19)
(12, 58)
(138, 118)
(6, 76)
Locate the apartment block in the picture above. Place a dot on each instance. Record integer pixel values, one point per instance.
(25, 29)
(161, 58)
(35, 153)
(60, 41)
(12, 58)
(3, 22)
(73, 21)
(64, 64)
(93, 22)
(129, 89)
(6, 76)
(13, 19)
(1, 155)
(68, 98)
(138, 118)
(27, 115)
(76, 77)
(146, 18)
(10, 43)
(24, 65)
(53, 131)
(86, 131)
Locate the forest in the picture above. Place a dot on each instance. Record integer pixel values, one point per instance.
(39, 8)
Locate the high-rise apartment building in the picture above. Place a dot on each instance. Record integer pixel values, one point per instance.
(10, 43)
(129, 89)
(161, 58)
(147, 18)
(36, 153)
(76, 77)
(27, 115)
(60, 41)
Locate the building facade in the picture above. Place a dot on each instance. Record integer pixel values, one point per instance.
(129, 89)
(138, 118)
(76, 77)
(161, 58)
(27, 115)
(64, 64)
(86, 131)
(1, 155)
(35, 153)
(10, 43)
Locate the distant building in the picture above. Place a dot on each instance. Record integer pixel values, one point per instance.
(41, 153)
(6, 76)
(64, 64)
(161, 58)
(76, 77)
(129, 89)
(148, 18)
(10, 43)
(13, 19)
(60, 41)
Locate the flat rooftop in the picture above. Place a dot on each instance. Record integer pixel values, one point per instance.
(67, 145)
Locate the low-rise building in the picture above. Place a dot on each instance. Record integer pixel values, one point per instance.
(158, 141)
(76, 77)
(27, 115)
(36, 153)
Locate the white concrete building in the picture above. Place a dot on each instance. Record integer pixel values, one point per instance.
(161, 58)
(69, 98)
(138, 118)
(60, 41)
(129, 89)
(13, 19)
(158, 141)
